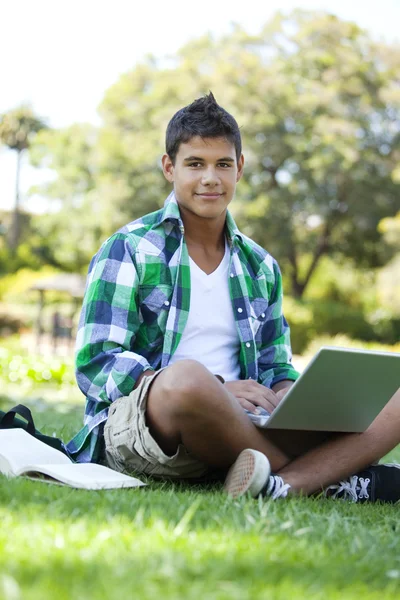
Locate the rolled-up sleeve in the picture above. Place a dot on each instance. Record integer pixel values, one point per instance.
(275, 354)
(106, 367)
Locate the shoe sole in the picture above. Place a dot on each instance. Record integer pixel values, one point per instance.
(249, 473)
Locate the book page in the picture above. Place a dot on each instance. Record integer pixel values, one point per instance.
(85, 475)
(18, 448)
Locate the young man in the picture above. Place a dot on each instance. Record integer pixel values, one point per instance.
(182, 328)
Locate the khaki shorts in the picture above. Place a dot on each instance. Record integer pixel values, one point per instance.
(129, 445)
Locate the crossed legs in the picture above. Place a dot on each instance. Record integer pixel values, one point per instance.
(188, 405)
(345, 454)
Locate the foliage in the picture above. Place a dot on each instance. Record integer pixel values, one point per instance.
(26, 375)
(341, 281)
(17, 128)
(67, 238)
(14, 288)
(300, 318)
(17, 368)
(20, 303)
(390, 228)
(318, 104)
(326, 105)
(389, 286)
(344, 341)
(24, 255)
(389, 276)
(311, 318)
(9, 324)
(335, 317)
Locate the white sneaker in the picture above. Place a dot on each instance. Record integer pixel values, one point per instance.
(249, 473)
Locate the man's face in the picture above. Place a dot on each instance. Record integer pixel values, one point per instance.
(204, 176)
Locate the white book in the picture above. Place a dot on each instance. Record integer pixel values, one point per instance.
(22, 454)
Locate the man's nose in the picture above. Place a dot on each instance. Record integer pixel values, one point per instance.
(210, 176)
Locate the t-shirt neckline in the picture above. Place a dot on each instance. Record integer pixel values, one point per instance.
(223, 265)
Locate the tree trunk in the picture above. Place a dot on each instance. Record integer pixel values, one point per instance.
(299, 287)
(322, 247)
(294, 275)
(15, 225)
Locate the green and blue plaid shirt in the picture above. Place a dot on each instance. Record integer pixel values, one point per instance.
(136, 306)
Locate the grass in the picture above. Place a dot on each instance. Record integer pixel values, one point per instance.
(177, 541)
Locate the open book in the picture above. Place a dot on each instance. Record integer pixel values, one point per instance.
(22, 454)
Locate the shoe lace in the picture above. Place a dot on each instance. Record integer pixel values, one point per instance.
(355, 488)
(277, 488)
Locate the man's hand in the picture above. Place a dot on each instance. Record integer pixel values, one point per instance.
(251, 394)
(282, 387)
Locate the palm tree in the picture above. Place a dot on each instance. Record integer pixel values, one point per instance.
(17, 127)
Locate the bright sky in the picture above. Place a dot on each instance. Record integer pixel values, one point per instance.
(61, 56)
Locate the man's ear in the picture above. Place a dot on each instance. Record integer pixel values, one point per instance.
(168, 168)
(240, 168)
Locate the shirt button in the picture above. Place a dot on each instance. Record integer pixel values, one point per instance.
(248, 344)
(166, 303)
(232, 275)
(240, 310)
(263, 315)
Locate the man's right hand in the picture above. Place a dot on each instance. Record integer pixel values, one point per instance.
(251, 394)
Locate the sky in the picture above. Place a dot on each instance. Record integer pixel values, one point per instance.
(60, 56)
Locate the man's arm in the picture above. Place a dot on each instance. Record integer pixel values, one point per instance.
(281, 388)
(106, 366)
(276, 373)
(275, 353)
(251, 394)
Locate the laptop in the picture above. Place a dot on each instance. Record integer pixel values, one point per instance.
(341, 389)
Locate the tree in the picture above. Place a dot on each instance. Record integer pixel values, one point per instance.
(322, 131)
(390, 228)
(66, 237)
(17, 128)
(318, 103)
(389, 276)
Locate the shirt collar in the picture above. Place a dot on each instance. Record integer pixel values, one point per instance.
(171, 212)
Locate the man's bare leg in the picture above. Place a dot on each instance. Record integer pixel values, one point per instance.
(188, 405)
(344, 454)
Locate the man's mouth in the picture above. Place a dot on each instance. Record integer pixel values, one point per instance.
(210, 195)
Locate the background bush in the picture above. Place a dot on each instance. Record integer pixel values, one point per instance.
(10, 325)
(311, 318)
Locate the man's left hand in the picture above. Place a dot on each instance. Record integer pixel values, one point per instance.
(282, 388)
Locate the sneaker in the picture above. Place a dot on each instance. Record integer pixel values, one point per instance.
(251, 473)
(377, 483)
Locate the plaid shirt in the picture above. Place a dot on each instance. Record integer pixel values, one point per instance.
(136, 306)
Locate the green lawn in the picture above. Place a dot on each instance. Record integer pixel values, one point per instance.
(192, 543)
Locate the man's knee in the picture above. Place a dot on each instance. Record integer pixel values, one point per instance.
(185, 387)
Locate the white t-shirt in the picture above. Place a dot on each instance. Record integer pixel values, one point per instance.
(210, 335)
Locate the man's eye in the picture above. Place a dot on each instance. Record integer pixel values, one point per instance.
(224, 165)
(194, 164)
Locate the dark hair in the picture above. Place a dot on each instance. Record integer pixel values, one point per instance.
(205, 118)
